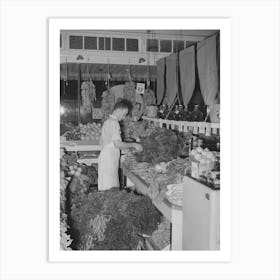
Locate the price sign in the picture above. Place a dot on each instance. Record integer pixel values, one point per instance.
(195, 129)
(140, 88)
(201, 128)
(208, 130)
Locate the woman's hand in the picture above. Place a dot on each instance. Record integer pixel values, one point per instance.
(138, 147)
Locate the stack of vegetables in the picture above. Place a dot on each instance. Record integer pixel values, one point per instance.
(161, 146)
(109, 220)
(90, 131)
(158, 176)
(131, 129)
(107, 104)
(65, 239)
(112, 220)
(149, 129)
(79, 178)
(73, 133)
(85, 132)
(65, 127)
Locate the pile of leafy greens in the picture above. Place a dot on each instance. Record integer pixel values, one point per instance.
(162, 145)
(111, 220)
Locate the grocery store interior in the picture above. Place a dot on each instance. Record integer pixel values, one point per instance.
(168, 192)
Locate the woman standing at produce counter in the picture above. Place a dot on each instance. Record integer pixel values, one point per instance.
(111, 143)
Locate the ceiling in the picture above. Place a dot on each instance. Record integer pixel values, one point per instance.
(119, 72)
(192, 34)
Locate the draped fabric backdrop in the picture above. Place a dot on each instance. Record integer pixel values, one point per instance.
(160, 79)
(171, 79)
(207, 69)
(187, 73)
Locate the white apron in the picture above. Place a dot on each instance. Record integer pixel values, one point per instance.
(108, 161)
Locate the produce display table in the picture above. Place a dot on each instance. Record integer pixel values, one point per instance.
(173, 214)
(81, 146)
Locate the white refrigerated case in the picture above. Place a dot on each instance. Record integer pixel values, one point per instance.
(201, 216)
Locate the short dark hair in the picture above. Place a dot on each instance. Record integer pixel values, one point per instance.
(123, 104)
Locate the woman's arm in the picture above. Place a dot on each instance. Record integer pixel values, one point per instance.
(124, 145)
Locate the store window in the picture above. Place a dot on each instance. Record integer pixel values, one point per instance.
(178, 45)
(152, 45)
(118, 44)
(90, 43)
(104, 43)
(132, 45)
(76, 42)
(165, 45)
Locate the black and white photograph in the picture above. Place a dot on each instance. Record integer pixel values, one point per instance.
(140, 139)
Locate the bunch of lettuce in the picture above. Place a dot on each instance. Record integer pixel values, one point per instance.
(162, 145)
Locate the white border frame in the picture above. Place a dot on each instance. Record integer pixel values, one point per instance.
(55, 254)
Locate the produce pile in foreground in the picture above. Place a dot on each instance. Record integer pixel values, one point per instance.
(107, 220)
(112, 220)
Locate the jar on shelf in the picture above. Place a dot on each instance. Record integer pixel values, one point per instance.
(196, 115)
(161, 111)
(186, 114)
(176, 113)
(181, 110)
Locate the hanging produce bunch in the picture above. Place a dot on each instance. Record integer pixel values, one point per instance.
(113, 220)
(88, 94)
(149, 98)
(129, 92)
(107, 104)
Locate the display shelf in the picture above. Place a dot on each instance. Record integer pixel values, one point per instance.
(79, 146)
(184, 126)
(173, 214)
